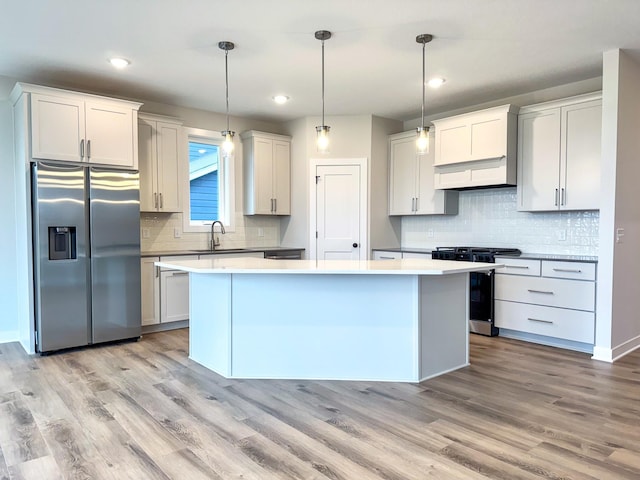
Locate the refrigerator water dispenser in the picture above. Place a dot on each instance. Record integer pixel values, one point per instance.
(62, 243)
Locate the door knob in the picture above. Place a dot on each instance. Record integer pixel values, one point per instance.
(355, 245)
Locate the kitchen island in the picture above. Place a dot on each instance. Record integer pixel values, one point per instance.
(401, 320)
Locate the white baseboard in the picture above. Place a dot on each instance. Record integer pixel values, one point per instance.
(602, 354)
(9, 336)
(612, 354)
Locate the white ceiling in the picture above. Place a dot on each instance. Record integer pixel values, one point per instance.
(486, 49)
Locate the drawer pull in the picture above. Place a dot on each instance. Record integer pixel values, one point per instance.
(567, 270)
(539, 320)
(179, 274)
(386, 258)
(523, 267)
(540, 291)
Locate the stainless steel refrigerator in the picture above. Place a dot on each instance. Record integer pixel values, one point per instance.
(86, 250)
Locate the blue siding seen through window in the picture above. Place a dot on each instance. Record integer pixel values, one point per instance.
(204, 197)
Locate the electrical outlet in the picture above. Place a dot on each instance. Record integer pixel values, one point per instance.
(562, 235)
(619, 234)
(430, 233)
(145, 233)
(177, 233)
(260, 232)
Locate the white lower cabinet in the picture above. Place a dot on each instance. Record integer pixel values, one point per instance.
(165, 293)
(388, 255)
(150, 290)
(174, 291)
(552, 299)
(385, 255)
(174, 296)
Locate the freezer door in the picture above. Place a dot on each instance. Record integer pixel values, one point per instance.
(115, 254)
(61, 266)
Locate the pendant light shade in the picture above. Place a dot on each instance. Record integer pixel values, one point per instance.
(422, 140)
(227, 144)
(322, 131)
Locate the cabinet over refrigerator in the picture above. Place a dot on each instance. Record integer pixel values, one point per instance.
(86, 247)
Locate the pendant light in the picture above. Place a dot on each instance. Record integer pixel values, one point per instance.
(322, 131)
(422, 141)
(227, 144)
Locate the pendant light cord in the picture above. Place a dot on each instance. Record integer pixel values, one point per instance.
(423, 75)
(323, 83)
(226, 80)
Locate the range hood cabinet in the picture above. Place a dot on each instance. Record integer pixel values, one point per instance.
(476, 149)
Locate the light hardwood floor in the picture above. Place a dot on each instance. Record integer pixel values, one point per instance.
(143, 410)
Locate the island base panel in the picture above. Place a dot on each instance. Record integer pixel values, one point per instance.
(444, 332)
(350, 327)
(325, 327)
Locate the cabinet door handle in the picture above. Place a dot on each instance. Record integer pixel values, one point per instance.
(521, 267)
(413, 204)
(179, 274)
(539, 320)
(540, 291)
(81, 149)
(275, 205)
(88, 149)
(157, 271)
(556, 200)
(562, 197)
(417, 203)
(160, 195)
(155, 200)
(567, 270)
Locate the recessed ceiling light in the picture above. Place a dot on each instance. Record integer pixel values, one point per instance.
(435, 82)
(119, 62)
(280, 99)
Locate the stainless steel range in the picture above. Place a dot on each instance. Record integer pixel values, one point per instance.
(481, 301)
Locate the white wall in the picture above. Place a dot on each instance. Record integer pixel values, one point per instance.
(8, 299)
(489, 218)
(618, 323)
(352, 136)
(385, 230)
(161, 225)
(530, 98)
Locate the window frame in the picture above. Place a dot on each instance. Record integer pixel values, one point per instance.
(226, 181)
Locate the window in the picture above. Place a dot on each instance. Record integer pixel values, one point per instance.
(208, 177)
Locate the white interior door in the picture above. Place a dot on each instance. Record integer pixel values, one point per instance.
(338, 212)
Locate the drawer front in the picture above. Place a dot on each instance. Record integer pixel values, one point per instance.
(553, 322)
(423, 256)
(518, 266)
(552, 292)
(572, 270)
(382, 255)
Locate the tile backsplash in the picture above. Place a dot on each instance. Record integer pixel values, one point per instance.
(490, 218)
(249, 232)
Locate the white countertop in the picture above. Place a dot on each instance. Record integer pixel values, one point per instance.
(342, 267)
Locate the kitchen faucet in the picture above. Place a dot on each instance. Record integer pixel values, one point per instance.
(216, 242)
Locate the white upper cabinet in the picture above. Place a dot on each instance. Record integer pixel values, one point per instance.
(476, 149)
(73, 127)
(159, 141)
(267, 173)
(559, 155)
(411, 190)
